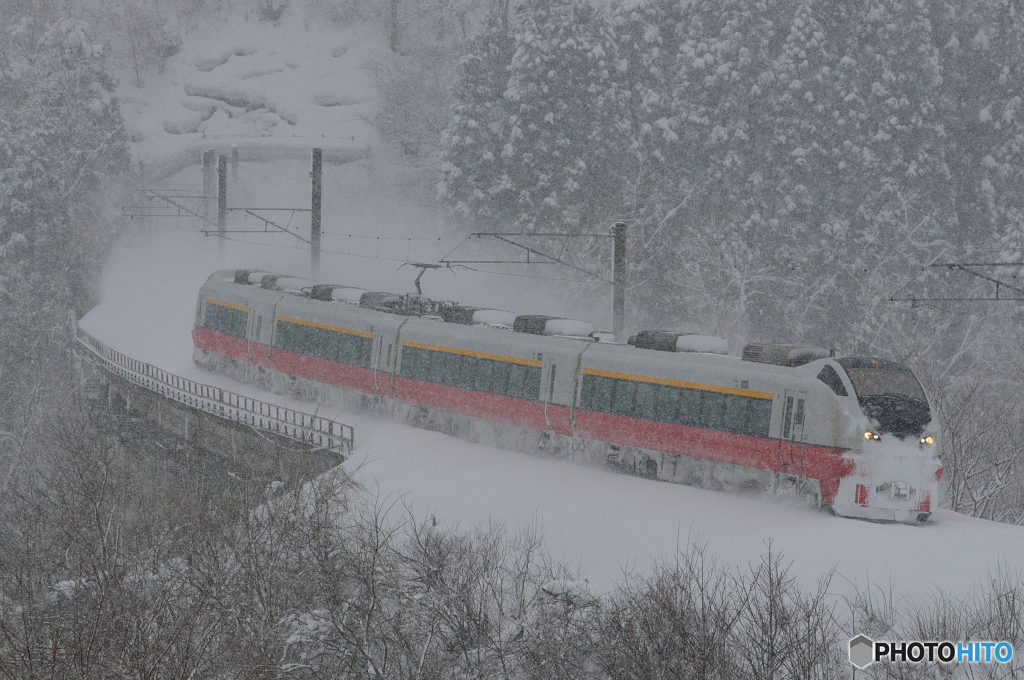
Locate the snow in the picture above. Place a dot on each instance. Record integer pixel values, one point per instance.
(494, 317)
(702, 343)
(601, 521)
(569, 327)
(281, 90)
(347, 294)
(298, 80)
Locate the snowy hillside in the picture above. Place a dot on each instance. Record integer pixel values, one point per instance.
(243, 78)
(800, 175)
(250, 80)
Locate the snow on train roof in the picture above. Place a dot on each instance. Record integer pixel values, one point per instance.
(494, 317)
(347, 294)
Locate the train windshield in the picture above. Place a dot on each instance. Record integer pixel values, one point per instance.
(889, 394)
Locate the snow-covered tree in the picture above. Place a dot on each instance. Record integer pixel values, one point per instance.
(61, 140)
(474, 140)
(554, 168)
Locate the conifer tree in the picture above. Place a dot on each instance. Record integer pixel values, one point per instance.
(473, 171)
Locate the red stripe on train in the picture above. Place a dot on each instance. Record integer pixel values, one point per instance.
(219, 343)
(816, 462)
(805, 460)
(331, 372)
(521, 412)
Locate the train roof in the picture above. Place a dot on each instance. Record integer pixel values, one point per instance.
(658, 345)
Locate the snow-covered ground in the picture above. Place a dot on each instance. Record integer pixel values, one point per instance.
(593, 518)
(238, 77)
(244, 80)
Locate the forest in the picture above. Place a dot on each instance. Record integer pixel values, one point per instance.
(784, 169)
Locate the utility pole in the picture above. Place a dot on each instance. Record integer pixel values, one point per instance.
(222, 206)
(209, 185)
(234, 163)
(619, 281)
(317, 174)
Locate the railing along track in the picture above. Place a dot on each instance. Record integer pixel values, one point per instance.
(316, 431)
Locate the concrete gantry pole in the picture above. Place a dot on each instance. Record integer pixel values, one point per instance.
(209, 185)
(316, 205)
(222, 207)
(619, 281)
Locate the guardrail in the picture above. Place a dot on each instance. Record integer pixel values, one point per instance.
(320, 432)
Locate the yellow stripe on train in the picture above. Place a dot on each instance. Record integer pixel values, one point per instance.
(229, 305)
(679, 383)
(326, 327)
(471, 353)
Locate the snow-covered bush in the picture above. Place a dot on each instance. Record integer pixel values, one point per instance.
(116, 561)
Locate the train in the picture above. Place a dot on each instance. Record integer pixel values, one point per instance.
(854, 435)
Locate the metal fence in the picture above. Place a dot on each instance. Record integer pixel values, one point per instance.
(314, 430)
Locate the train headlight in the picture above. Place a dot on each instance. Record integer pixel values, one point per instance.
(927, 440)
(871, 436)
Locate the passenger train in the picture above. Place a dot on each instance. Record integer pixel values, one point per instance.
(853, 434)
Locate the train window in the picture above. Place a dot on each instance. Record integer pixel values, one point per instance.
(499, 377)
(347, 348)
(736, 413)
(467, 372)
(226, 320)
(350, 349)
(323, 344)
(597, 393)
(829, 376)
(408, 358)
(587, 392)
(423, 364)
(367, 354)
(454, 369)
(646, 401)
(665, 410)
(483, 375)
(531, 385)
(529, 382)
(787, 418)
(282, 339)
(287, 337)
(440, 368)
(688, 412)
(760, 417)
(517, 381)
(307, 339)
(623, 396)
(461, 366)
(712, 409)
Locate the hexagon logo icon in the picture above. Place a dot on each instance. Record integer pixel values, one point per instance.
(862, 651)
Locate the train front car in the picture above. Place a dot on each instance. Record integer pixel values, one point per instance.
(893, 442)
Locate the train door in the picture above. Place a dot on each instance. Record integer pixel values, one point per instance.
(378, 361)
(547, 385)
(251, 335)
(261, 319)
(791, 447)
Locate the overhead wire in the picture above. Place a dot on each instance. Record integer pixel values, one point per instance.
(399, 260)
